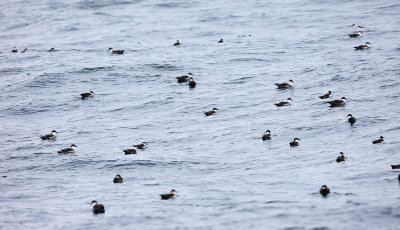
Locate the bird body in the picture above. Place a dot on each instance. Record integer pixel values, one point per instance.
(324, 190)
(14, 50)
(285, 85)
(395, 166)
(177, 43)
(118, 179)
(51, 136)
(167, 196)
(356, 35)
(221, 40)
(97, 208)
(143, 145)
(380, 140)
(341, 157)
(337, 103)
(68, 150)
(130, 151)
(267, 135)
(113, 51)
(211, 112)
(184, 78)
(86, 95)
(362, 47)
(192, 83)
(351, 119)
(295, 142)
(284, 103)
(327, 95)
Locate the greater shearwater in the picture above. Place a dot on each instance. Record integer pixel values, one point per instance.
(130, 151)
(356, 35)
(167, 196)
(284, 103)
(211, 112)
(267, 135)
(177, 43)
(192, 83)
(184, 78)
(395, 166)
(337, 103)
(295, 142)
(86, 95)
(356, 26)
(324, 190)
(341, 157)
(221, 40)
(68, 150)
(14, 50)
(285, 85)
(327, 95)
(380, 140)
(97, 208)
(51, 136)
(118, 179)
(351, 119)
(362, 47)
(143, 145)
(23, 51)
(116, 51)
(51, 50)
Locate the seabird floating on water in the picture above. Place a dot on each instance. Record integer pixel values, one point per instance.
(118, 179)
(337, 103)
(340, 157)
(380, 140)
(327, 95)
(50, 136)
(167, 196)
(130, 151)
(221, 40)
(23, 51)
(177, 43)
(143, 145)
(356, 35)
(86, 95)
(184, 78)
(284, 103)
(51, 50)
(362, 47)
(192, 83)
(116, 51)
(14, 50)
(295, 142)
(324, 190)
(395, 166)
(267, 135)
(285, 85)
(356, 26)
(97, 208)
(68, 150)
(351, 119)
(211, 112)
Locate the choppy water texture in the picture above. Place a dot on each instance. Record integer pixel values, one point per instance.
(226, 177)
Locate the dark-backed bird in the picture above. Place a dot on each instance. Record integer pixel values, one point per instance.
(340, 157)
(50, 136)
(130, 151)
(351, 119)
(324, 190)
(295, 142)
(184, 78)
(113, 51)
(285, 85)
(51, 50)
(14, 50)
(337, 103)
(97, 208)
(284, 103)
(356, 26)
(380, 140)
(167, 196)
(395, 166)
(398, 178)
(177, 43)
(327, 95)
(86, 95)
(221, 40)
(192, 83)
(211, 112)
(23, 51)
(68, 150)
(118, 179)
(267, 135)
(143, 145)
(362, 47)
(356, 35)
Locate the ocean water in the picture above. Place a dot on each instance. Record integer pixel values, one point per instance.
(225, 175)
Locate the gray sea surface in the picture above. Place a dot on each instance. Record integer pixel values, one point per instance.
(225, 175)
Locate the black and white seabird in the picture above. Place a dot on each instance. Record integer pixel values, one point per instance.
(130, 151)
(51, 136)
(143, 145)
(221, 40)
(324, 190)
(14, 50)
(284, 103)
(177, 43)
(398, 178)
(184, 78)
(327, 95)
(380, 140)
(51, 50)
(341, 157)
(68, 150)
(295, 142)
(356, 35)
(351, 119)
(211, 112)
(23, 51)
(362, 47)
(118, 179)
(167, 196)
(267, 135)
(356, 26)
(192, 83)
(86, 95)
(395, 166)
(337, 103)
(285, 85)
(97, 208)
(116, 51)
